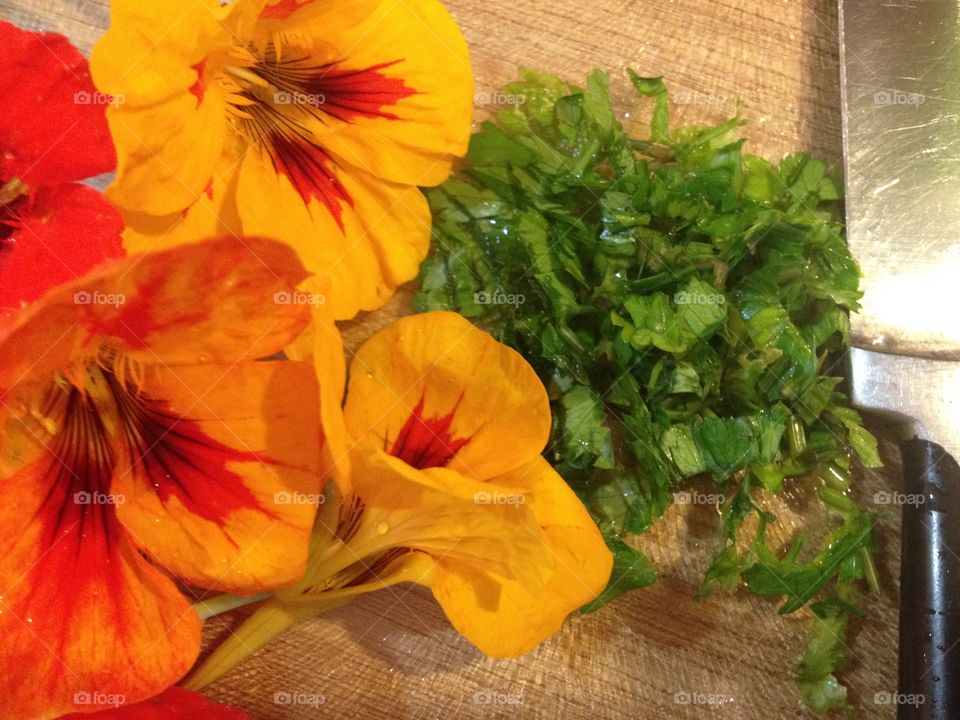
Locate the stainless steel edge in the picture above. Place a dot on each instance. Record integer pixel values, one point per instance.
(900, 79)
(919, 394)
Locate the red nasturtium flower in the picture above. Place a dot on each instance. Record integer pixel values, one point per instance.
(311, 121)
(173, 704)
(141, 441)
(53, 131)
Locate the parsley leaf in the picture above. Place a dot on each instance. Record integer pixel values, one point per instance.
(682, 300)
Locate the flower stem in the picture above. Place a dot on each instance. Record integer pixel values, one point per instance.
(225, 603)
(870, 570)
(266, 623)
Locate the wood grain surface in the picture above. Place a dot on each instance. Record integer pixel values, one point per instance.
(393, 655)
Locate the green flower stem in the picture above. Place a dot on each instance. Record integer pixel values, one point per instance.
(269, 621)
(870, 570)
(225, 603)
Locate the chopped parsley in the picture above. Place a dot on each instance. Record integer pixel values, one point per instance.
(686, 305)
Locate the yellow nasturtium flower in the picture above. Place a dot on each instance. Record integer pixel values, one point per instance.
(310, 121)
(444, 428)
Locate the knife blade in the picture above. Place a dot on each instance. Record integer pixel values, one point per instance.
(900, 80)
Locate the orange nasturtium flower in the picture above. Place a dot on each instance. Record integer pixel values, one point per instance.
(310, 121)
(141, 442)
(449, 490)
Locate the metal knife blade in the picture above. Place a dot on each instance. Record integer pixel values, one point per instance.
(901, 83)
(900, 77)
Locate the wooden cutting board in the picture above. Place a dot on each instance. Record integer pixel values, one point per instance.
(393, 655)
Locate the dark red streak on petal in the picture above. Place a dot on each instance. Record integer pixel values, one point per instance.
(426, 442)
(307, 167)
(348, 94)
(71, 554)
(315, 93)
(80, 469)
(199, 87)
(8, 219)
(280, 10)
(80, 533)
(179, 460)
(135, 320)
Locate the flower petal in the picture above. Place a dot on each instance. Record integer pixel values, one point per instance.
(167, 153)
(59, 234)
(43, 76)
(445, 515)
(322, 345)
(331, 369)
(503, 617)
(397, 99)
(276, 14)
(171, 128)
(365, 236)
(279, 9)
(214, 214)
(85, 619)
(220, 477)
(148, 52)
(174, 703)
(212, 301)
(436, 391)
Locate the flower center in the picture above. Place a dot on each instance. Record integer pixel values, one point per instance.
(11, 191)
(81, 460)
(12, 194)
(426, 442)
(80, 413)
(97, 418)
(280, 101)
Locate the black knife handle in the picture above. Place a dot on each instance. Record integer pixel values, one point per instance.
(929, 585)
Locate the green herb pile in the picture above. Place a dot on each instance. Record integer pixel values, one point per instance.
(684, 302)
